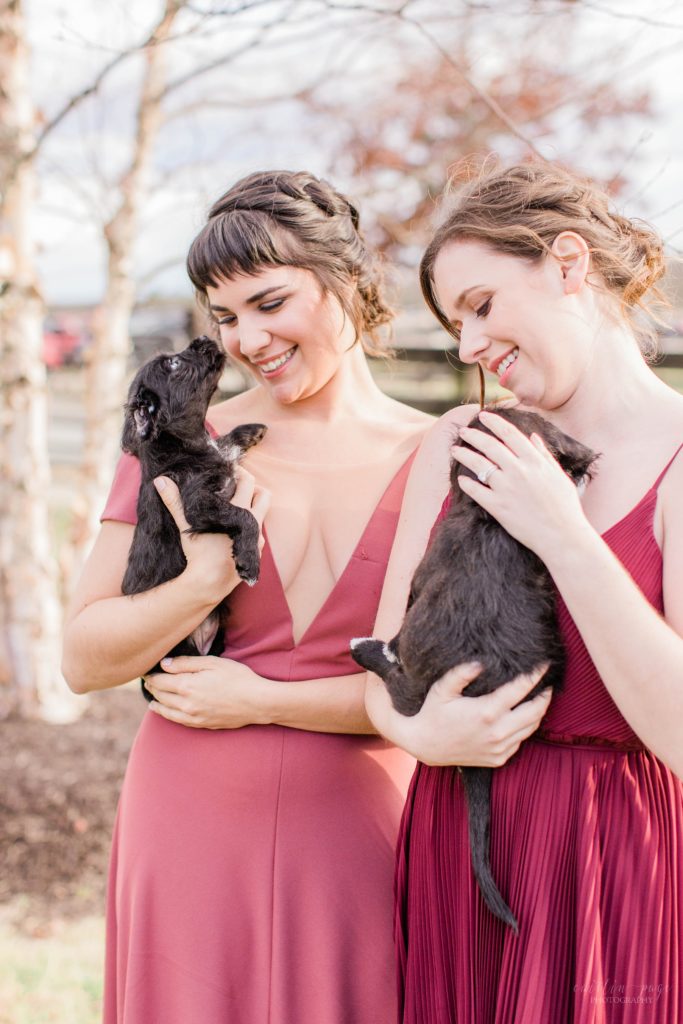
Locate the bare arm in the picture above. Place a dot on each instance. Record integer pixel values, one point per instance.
(450, 728)
(217, 693)
(111, 638)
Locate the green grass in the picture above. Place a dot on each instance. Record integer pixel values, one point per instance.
(53, 976)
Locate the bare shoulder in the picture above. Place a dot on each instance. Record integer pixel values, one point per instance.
(409, 424)
(242, 408)
(445, 429)
(671, 488)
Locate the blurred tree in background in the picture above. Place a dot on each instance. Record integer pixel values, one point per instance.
(141, 113)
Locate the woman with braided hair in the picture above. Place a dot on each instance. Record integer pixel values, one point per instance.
(252, 867)
(542, 283)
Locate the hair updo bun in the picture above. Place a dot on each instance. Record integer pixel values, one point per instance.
(286, 218)
(520, 210)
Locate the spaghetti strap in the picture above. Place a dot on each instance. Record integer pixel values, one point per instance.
(667, 468)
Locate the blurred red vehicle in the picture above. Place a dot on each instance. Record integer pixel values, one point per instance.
(61, 347)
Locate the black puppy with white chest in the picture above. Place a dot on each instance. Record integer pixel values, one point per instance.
(478, 595)
(165, 428)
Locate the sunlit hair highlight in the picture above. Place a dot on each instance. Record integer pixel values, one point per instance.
(520, 210)
(285, 218)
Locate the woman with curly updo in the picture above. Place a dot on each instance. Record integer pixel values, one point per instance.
(251, 876)
(544, 286)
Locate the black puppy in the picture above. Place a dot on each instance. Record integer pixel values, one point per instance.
(165, 427)
(478, 595)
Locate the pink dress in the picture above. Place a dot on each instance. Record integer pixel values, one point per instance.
(586, 847)
(251, 872)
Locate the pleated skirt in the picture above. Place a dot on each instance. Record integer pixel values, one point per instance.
(587, 849)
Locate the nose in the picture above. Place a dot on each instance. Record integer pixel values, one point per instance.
(253, 339)
(473, 342)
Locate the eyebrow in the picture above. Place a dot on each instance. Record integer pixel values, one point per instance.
(252, 298)
(463, 295)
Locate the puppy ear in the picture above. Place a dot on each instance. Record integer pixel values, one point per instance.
(140, 425)
(577, 460)
(244, 437)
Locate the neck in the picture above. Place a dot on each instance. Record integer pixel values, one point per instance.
(616, 395)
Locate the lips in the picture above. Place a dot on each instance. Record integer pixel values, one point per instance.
(269, 366)
(495, 364)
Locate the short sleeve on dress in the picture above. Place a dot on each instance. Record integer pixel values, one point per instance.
(122, 502)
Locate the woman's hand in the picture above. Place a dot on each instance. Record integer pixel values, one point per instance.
(486, 731)
(208, 693)
(209, 555)
(526, 491)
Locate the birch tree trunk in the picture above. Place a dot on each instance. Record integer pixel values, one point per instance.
(106, 367)
(30, 610)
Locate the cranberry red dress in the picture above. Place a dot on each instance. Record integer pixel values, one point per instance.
(252, 869)
(586, 847)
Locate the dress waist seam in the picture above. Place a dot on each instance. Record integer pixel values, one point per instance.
(594, 743)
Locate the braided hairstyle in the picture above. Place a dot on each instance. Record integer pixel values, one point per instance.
(285, 218)
(520, 210)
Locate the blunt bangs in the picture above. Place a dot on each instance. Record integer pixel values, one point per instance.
(242, 242)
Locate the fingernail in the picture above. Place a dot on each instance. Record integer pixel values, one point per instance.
(159, 483)
(165, 662)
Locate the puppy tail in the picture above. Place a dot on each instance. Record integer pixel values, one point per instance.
(477, 784)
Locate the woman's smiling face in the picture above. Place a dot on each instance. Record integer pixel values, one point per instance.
(279, 323)
(524, 322)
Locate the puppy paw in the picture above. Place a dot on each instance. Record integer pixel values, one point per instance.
(248, 567)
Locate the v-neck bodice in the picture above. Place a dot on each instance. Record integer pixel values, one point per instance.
(259, 629)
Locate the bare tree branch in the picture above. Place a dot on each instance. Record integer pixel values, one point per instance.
(228, 58)
(400, 14)
(643, 19)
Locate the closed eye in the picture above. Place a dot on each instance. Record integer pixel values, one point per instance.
(267, 307)
(484, 309)
(270, 307)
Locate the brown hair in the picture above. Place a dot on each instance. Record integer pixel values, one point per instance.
(520, 210)
(278, 218)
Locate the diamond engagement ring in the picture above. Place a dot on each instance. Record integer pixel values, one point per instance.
(485, 475)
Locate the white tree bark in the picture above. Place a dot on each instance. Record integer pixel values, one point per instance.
(30, 611)
(106, 368)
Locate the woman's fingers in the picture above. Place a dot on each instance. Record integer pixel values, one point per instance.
(511, 437)
(260, 503)
(454, 681)
(511, 694)
(244, 489)
(170, 495)
(488, 445)
(482, 467)
(172, 714)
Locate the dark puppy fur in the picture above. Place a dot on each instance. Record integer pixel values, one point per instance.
(478, 595)
(165, 427)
